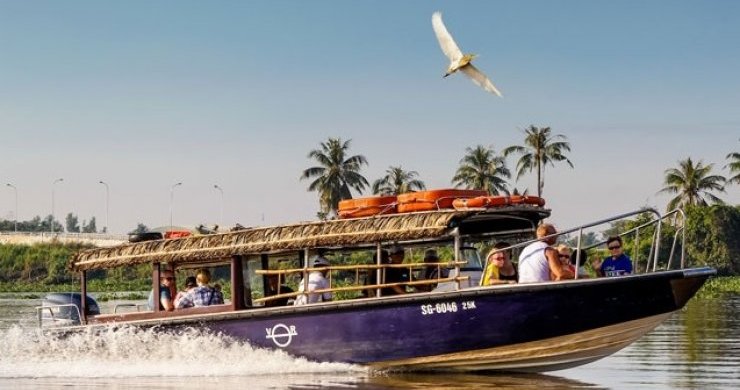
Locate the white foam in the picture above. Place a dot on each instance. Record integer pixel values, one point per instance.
(133, 352)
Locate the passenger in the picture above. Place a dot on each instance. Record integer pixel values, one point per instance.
(274, 289)
(166, 291)
(190, 284)
(372, 273)
(499, 268)
(564, 257)
(203, 295)
(431, 271)
(395, 274)
(618, 263)
(316, 281)
(582, 273)
(538, 261)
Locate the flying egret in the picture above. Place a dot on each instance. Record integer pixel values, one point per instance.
(458, 60)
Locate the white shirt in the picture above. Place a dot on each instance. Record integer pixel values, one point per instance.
(316, 281)
(533, 265)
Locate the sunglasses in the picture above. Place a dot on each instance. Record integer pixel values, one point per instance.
(614, 247)
(564, 256)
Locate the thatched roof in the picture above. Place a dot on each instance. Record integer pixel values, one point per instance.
(334, 233)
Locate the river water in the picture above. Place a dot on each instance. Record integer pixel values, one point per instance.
(696, 348)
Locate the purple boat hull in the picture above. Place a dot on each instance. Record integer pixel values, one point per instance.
(447, 330)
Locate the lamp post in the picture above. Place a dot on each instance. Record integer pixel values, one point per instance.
(52, 202)
(107, 199)
(15, 222)
(221, 218)
(172, 199)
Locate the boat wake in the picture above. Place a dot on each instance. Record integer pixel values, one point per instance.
(133, 352)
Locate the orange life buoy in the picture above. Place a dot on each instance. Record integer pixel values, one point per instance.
(497, 201)
(527, 199)
(176, 234)
(366, 207)
(434, 199)
(481, 201)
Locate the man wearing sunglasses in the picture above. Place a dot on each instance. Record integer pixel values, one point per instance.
(166, 286)
(618, 263)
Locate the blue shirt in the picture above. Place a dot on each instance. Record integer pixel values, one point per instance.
(622, 265)
(201, 296)
(164, 292)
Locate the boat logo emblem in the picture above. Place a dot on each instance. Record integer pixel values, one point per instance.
(281, 334)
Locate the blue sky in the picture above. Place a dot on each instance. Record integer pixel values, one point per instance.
(145, 94)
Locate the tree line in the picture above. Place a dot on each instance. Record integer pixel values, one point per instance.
(337, 173)
(37, 224)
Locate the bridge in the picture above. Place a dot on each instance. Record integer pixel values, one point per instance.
(30, 238)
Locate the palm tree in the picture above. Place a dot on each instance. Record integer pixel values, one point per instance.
(540, 148)
(692, 183)
(734, 166)
(336, 174)
(482, 169)
(397, 181)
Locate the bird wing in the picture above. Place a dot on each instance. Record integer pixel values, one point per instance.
(448, 45)
(480, 79)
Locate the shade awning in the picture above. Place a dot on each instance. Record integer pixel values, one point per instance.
(335, 233)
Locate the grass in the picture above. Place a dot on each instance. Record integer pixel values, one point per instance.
(719, 286)
(127, 296)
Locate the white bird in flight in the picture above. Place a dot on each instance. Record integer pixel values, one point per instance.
(458, 60)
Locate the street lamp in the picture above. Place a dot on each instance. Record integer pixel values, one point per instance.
(15, 223)
(107, 198)
(52, 203)
(172, 198)
(221, 219)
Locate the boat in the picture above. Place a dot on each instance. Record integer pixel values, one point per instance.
(460, 325)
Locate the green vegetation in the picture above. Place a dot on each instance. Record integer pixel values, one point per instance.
(335, 175)
(482, 169)
(692, 183)
(540, 148)
(713, 238)
(734, 165)
(719, 286)
(128, 296)
(43, 268)
(34, 225)
(397, 181)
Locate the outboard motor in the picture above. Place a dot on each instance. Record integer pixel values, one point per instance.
(62, 309)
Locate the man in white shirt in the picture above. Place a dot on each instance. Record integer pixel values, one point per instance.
(316, 281)
(539, 262)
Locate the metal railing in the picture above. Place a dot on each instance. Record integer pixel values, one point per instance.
(138, 306)
(362, 269)
(53, 315)
(654, 252)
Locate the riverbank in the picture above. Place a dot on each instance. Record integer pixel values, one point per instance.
(719, 286)
(105, 291)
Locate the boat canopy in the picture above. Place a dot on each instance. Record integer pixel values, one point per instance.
(329, 234)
